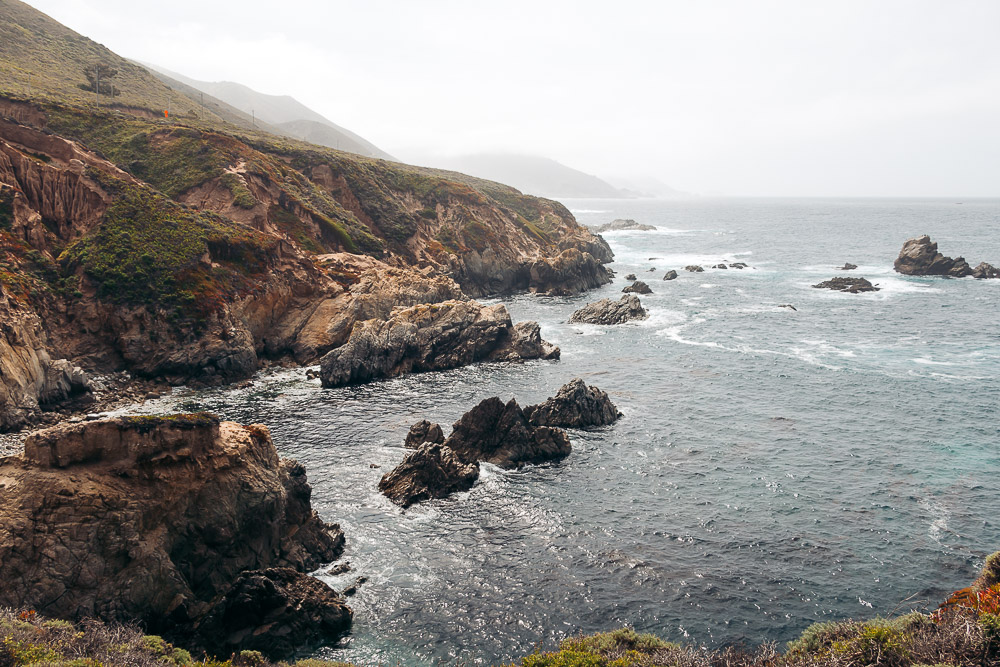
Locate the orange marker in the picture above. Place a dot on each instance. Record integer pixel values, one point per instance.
(166, 114)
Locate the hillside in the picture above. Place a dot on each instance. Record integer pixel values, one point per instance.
(282, 113)
(194, 249)
(534, 175)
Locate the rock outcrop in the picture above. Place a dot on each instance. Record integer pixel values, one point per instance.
(670, 275)
(574, 406)
(570, 272)
(630, 276)
(607, 311)
(154, 519)
(637, 287)
(431, 471)
(429, 338)
(694, 268)
(499, 433)
(985, 270)
(424, 432)
(920, 257)
(852, 285)
(623, 225)
(848, 267)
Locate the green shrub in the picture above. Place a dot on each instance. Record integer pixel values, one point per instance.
(242, 197)
(876, 644)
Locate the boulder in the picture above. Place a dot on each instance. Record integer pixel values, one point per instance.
(623, 225)
(694, 268)
(574, 406)
(720, 266)
(670, 275)
(852, 285)
(423, 432)
(920, 257)
(607, 311)
(638, 287)
(431, 471)
(499, 433)
(985, 270)
(276, 611)
(432, 337)
(630, 276)
(153, 520)
(848, 267)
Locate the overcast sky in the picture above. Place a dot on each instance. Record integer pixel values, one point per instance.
(745, 97)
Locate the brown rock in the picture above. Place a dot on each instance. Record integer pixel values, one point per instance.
(431, 471)
(920, 257)
(423, 432)
(638, 287)
(852, 285)
(574, 406)
(607, 311)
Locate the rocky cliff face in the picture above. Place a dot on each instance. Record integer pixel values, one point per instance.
(154, 519)
(190, 255)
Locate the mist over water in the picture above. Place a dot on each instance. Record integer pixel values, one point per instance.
(774, 467)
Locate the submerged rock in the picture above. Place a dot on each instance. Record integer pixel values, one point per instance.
(431, 471)
(623, 225)
(694, 268)
(920, 257)
(499, 433)
(574, 406)
(638, 287)
(852, 285)
(423, 431)
(429, 338)
(720, 266)
(739, 265)
(607, 311)
(154, 520)
(848, 267)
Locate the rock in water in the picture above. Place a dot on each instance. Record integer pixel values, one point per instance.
(432, 337)
(852, 285)
(638, 287)
(153, 519)
(276, 611)
(848, 267)
(499, 433)
(623, 225)
(738, 265)
(694, 268)
(985, 270)
(422, 432)
(670, 275)
(568, 273)
(630, 276)
(432, 471)
(575, 406)
(920, 257)
(607, 311)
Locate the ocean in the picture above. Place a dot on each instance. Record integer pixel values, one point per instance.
(774, 467)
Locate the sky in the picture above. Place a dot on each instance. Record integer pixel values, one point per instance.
(739, 97)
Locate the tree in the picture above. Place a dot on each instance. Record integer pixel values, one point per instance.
(100, 75)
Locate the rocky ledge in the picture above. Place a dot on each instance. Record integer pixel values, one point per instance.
(623, 225)
(920, 257)
(190, 526)
(607, 311)
(852, 285)
(568, 273)
(574, 406)
(432, 337)
(432, 471)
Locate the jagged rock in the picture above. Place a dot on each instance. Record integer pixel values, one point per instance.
(574, 406)
(720, 266)
(276, 611)
(432, 337)
(638, 287)
(670, 275)
(431, 471)
(422, 432)
(499, 433)
(630, 276)
(985, 270)
(620, 225)
(920, 257)
(990, 575)
(852, 285)
(694, 268)
(848, 267)
(739, 265)
(570, 272)
(152, 520)
(607, 311)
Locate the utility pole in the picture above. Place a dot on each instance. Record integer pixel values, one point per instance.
(253, 118)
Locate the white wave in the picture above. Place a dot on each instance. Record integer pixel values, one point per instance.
(931, 362)
(588, 210)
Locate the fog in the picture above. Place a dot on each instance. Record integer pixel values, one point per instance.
(743, 98)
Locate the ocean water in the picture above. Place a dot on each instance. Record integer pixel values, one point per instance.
(774, 467)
